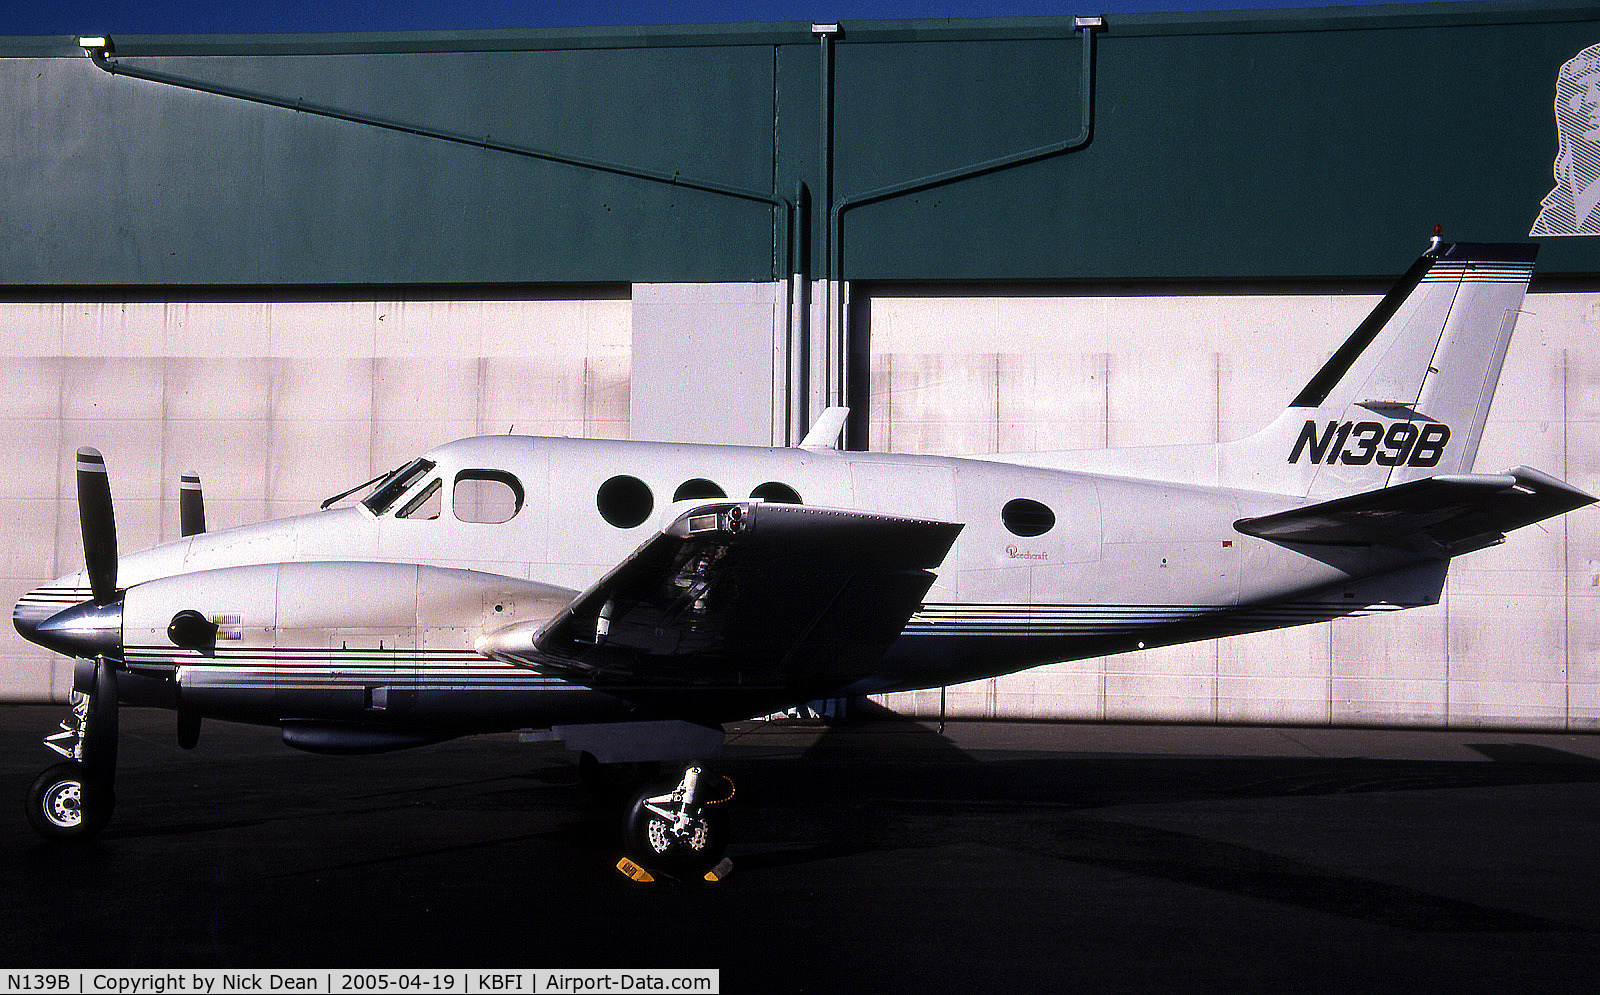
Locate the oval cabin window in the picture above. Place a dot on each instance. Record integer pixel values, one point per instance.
(484, 497)
(1027, 518)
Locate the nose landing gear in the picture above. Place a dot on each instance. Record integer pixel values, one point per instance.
(72, 801)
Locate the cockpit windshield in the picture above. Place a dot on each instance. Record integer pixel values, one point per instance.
(390, 486)
(396, 483)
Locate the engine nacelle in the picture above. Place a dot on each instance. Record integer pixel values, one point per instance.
(326, 641)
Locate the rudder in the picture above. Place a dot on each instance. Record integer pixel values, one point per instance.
(1407, 395)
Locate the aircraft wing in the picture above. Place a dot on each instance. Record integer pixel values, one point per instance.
(1445, 514)
(741, 593)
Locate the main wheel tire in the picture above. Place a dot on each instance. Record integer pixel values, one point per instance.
(653, 843)
(66, 806)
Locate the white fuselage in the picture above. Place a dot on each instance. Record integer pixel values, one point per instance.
(347, 613)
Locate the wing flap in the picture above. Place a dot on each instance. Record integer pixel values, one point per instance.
(744, 593)
(1447, 514)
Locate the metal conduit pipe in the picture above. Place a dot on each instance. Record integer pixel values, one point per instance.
(838, 345)
(795, 393)
(824, 388)
(100, 55)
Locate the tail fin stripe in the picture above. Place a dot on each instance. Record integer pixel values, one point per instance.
(1482, 273)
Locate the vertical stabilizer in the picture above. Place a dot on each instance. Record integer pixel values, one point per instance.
(1407, 394)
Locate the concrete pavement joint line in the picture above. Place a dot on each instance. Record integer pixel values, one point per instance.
(1307, 747)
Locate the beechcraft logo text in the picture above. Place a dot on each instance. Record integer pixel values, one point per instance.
(1364, 442)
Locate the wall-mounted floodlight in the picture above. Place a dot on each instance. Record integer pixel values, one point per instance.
(93, 44)
(1089, 22)
(825, 29)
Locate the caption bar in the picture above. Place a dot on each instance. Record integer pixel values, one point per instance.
(454, 982)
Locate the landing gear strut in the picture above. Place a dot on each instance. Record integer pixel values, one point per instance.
(681, 829)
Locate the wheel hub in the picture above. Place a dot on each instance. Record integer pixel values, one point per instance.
(664, 836)
(63, 804)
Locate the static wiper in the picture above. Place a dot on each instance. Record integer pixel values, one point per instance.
(344, 494)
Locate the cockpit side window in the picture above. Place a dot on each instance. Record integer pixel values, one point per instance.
(396, 484)
(428, 503)
(486, 497)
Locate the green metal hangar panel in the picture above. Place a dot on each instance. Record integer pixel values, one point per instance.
(290, 262)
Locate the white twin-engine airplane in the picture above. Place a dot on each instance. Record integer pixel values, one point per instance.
(615, 597)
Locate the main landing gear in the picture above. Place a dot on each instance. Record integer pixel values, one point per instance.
(679, 830)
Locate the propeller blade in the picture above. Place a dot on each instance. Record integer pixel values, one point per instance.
(99, 525)
(191, 505)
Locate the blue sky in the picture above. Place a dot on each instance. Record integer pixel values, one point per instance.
(69, 17)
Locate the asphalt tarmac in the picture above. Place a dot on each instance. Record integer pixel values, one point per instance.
(876, 857)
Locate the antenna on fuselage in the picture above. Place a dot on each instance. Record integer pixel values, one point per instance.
(825, 434)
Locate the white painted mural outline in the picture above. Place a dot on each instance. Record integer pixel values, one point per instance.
(1571, 208)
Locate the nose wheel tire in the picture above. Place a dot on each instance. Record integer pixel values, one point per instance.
(65, 806)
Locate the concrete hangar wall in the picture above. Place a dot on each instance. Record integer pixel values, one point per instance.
(289, 263)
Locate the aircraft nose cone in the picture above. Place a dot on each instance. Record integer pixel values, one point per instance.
(87, 630)
(26, 620)
(36, 606)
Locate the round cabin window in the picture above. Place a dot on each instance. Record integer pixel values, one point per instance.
(776, 493)
(697, 489)
(625, 501)
(1027, 518)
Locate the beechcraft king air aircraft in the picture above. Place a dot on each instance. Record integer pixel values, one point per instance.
(629, 598)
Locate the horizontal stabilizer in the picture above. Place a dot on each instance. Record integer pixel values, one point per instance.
(1447, 514)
